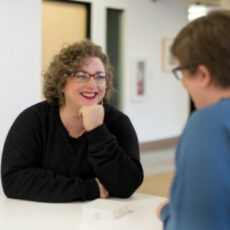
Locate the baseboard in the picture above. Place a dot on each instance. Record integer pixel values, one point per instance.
(161, 144)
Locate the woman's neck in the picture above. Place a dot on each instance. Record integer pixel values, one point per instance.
(71, 121)
(213, 95)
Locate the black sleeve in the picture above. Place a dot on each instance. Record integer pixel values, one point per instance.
(114, 153)
(23, 177)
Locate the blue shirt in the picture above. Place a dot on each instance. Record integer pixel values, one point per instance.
(200, 194)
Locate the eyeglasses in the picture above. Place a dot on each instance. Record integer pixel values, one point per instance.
(178, 71)
(83, 77)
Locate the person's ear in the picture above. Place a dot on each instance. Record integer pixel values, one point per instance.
(204, 75)
(60, 90)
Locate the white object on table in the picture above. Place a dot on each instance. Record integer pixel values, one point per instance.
(104, 209)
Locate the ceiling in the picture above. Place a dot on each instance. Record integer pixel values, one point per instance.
(206, 2)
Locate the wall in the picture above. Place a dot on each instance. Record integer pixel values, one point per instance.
(20, 42)
(164, 109)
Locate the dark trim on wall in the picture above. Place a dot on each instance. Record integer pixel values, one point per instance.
(157, 145)
(88, 29)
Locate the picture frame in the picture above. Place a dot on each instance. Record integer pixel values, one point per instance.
(138, 78)
(168, 61)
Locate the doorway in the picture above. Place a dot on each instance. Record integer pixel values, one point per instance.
(114, 49)
(63, 22)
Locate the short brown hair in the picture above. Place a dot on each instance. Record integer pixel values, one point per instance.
(206, 41)
(70, 59)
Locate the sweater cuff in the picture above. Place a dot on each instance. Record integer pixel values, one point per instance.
(92, 189)
(96, 135)
(164, 214)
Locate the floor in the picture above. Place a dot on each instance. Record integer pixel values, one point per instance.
(158, 166)
(158, 161)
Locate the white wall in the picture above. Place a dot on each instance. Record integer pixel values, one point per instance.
(20, 58)
(163, 111)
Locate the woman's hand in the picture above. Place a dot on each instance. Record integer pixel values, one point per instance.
(92, 116)
(158, 210)
(103, 191)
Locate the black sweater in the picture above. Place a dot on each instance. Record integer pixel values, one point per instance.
(41, 162)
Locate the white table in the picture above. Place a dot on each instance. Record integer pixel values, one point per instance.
(28, 215)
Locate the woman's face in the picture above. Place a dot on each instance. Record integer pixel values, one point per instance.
(78, 94)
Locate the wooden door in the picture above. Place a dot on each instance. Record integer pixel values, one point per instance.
(62, 23)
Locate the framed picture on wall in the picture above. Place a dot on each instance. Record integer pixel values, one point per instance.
(168, 61)
(138, 79)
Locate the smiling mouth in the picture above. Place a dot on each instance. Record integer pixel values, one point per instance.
(89, 96)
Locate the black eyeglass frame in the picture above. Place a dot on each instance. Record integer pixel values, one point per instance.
(180, 68)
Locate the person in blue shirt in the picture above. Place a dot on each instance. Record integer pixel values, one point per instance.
(200, 193)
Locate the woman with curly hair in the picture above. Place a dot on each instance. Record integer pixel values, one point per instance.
(73, 146)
